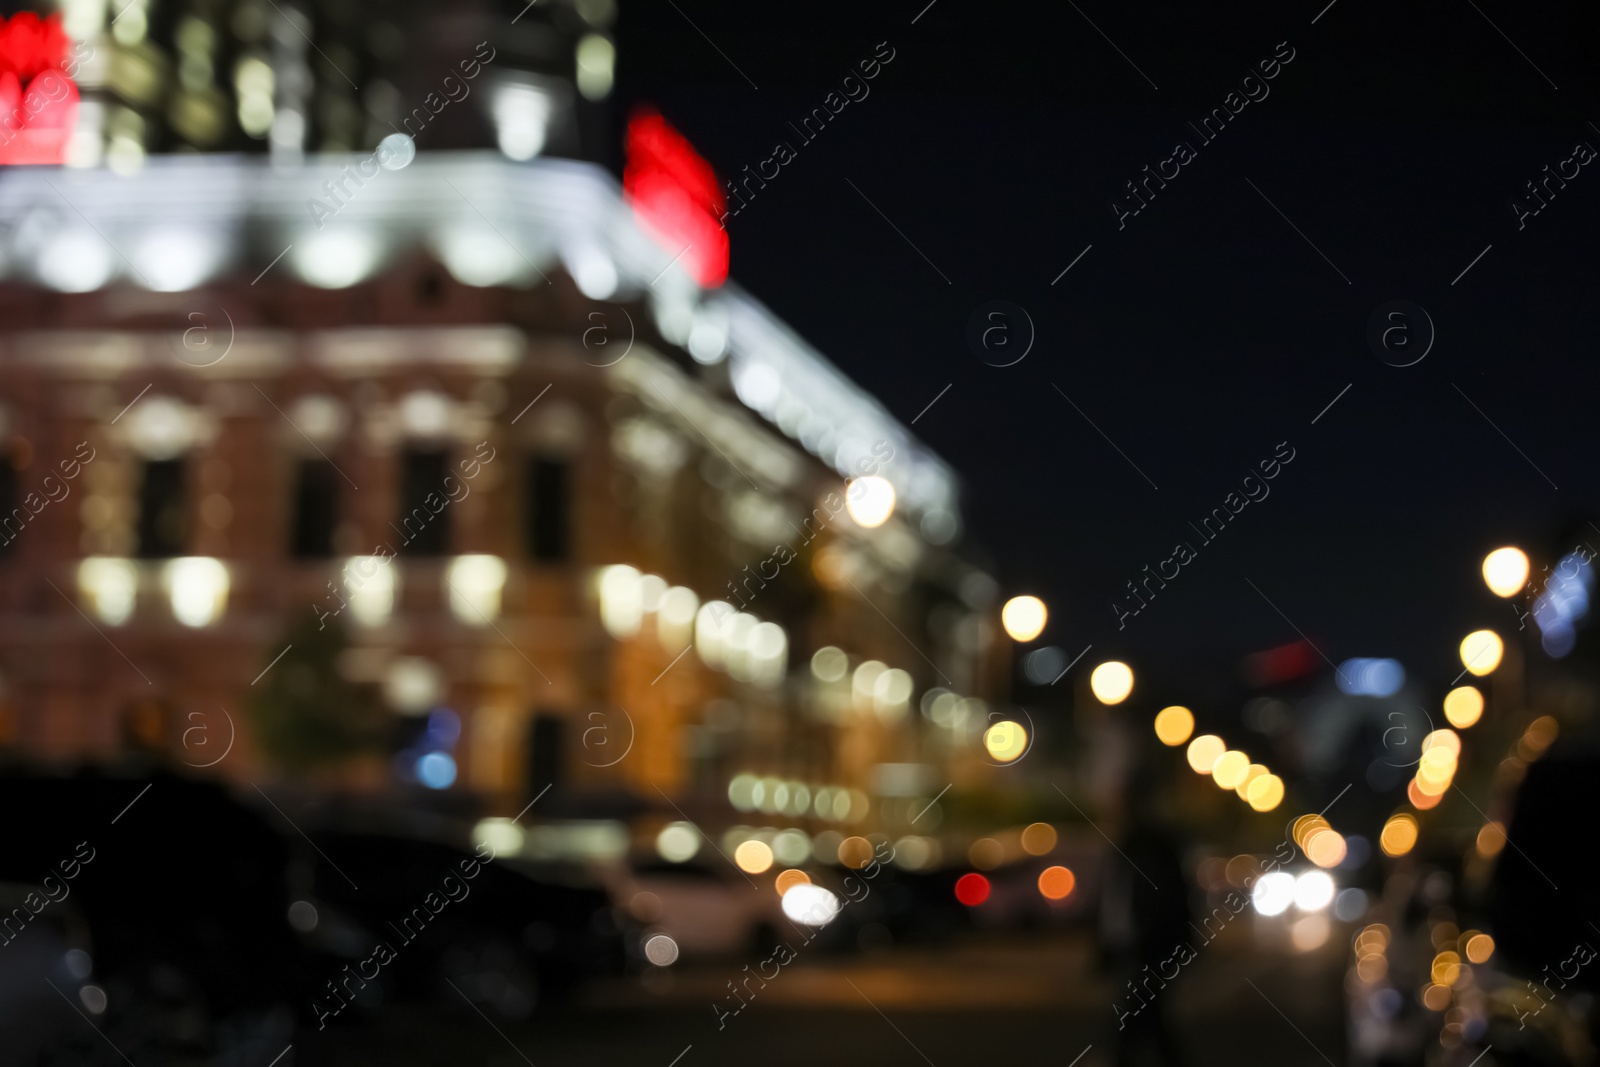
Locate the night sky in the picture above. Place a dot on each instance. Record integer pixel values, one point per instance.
(1208, 330)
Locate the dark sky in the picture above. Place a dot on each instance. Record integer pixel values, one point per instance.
(1208, 330)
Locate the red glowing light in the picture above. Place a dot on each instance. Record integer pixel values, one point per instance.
(675, 197)
(38, 101)
(972, 889)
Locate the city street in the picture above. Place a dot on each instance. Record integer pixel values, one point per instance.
(1018, 999)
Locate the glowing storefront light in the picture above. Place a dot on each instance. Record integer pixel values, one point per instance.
(1273, 893)
(475, 583)
(369, 583)
(870, 501)
(110, 586)
(336, 258)
(197, 587)
(174, 260)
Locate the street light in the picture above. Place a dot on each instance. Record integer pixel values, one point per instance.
(1481, 651)
(1505, 571)
(870, 501)
(1023, 618)
(1111, 682)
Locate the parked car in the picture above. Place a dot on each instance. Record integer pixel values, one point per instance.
(398, 917)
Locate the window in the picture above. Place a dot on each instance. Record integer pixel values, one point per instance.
(424, 523)
(316, 510)
(163, 514)
(546, 740)
(548, 501)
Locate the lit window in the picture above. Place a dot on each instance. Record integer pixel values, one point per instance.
(197, 586)
(369, 583)
(474, 584)
(110, 587)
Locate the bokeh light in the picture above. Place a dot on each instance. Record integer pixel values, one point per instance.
(1399, 835)
(810, 905)
(1023, 618)
(1273, 893)
(870, 501)
(678, 842)
(790, 878)
(1174, 725)
(1006, 740)
(1038, 838)
(1491, 839)
(1229, 769)
(661, 950)
(1251, 773)
(1446, 968)
(1265, 793)
(986, 853)
(972, 889)
(1325, 848)
(1505, 571)
(1204, 751)
(1481, 651)
(1056, 883)
(1463, 706)
(753, 857)
(1111, 682)
(1479, 948)
(1421, 800)
(855, 852)
(1313, 891)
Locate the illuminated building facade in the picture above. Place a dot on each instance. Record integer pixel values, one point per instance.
(544, 471)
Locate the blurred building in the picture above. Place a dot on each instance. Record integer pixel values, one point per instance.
(578, 507)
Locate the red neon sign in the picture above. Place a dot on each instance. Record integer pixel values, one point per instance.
(38, 101)
(675, 197)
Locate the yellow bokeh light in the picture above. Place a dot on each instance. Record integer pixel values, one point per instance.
(1372, 939)
(1491, 839)
(1266, 792)
(1399, 835)
(1111, 682)
(1203, 752)
(870, 501)
(855, 852)
(1446, 968)
(1442, 739)
(1251, 773)
(1038, 838)
(1174, 725)
(1481, 651)
(1463, 706)
(789, 879)
(1229, 769)
(1436, 997)
(1479, 948)
(1006, 740)
(986, 854)
(1325, 848)
(753, 857)
(1420, 799)
(1372, 968)
(1023, 618)
(1303, 827)
(1505, 571)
